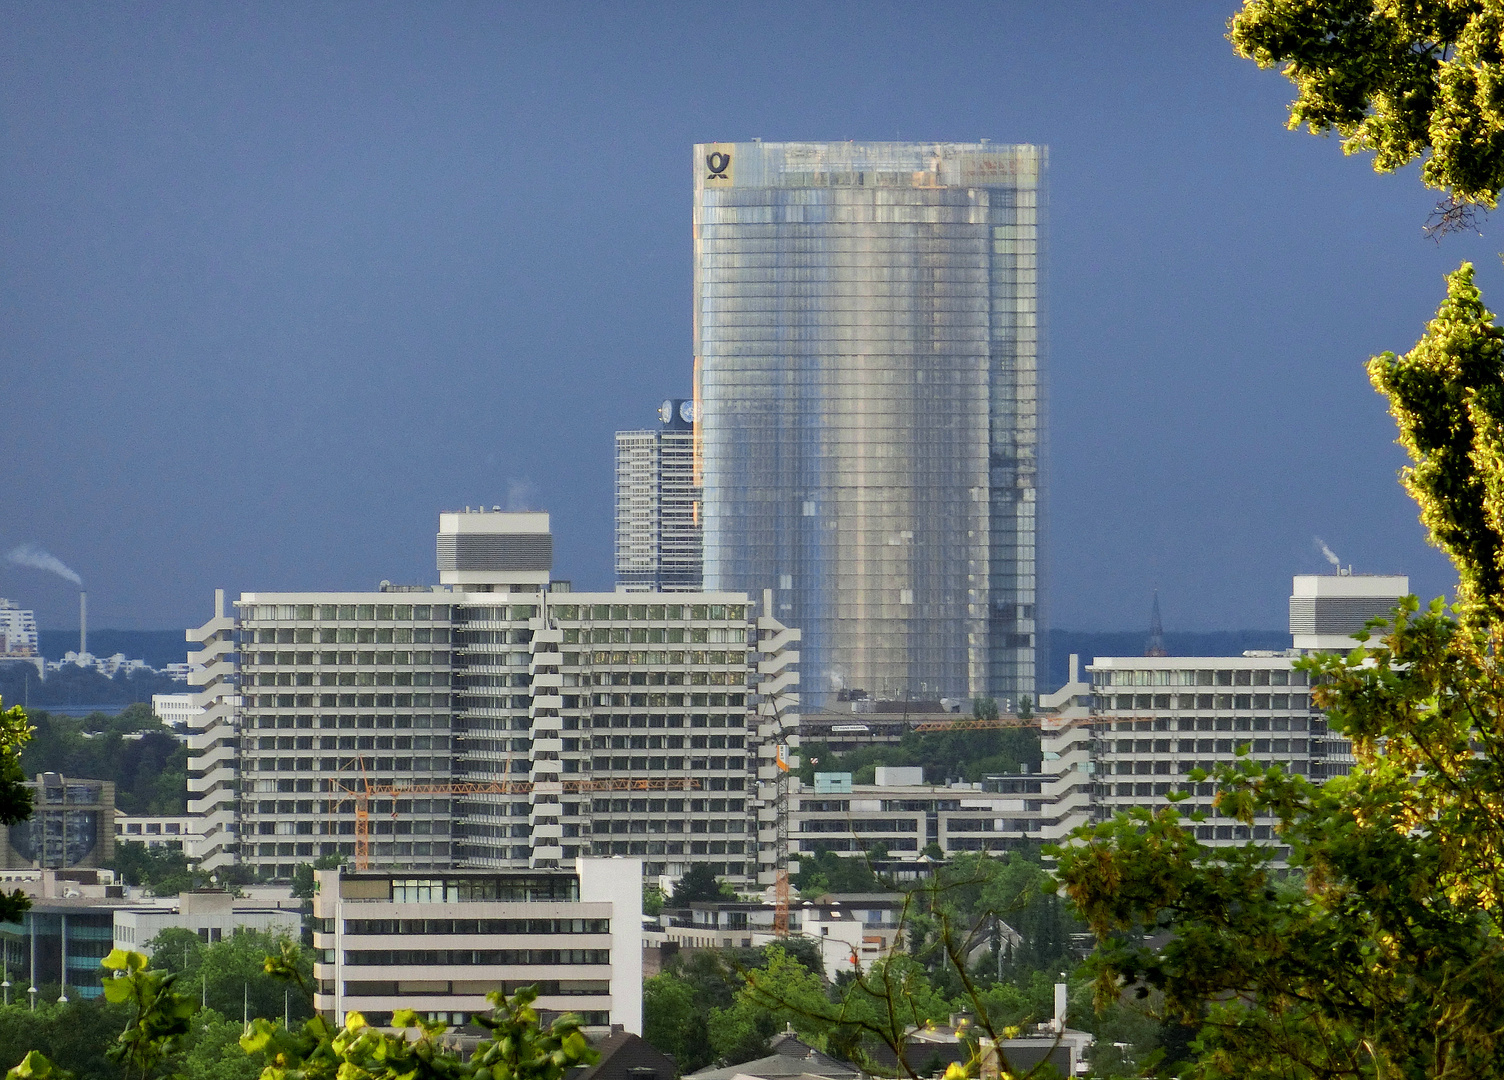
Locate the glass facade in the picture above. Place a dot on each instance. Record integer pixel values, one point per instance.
(867, 378)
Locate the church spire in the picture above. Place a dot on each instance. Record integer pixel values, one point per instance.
(1156, 645)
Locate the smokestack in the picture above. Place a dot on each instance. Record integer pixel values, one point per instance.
(83, 622)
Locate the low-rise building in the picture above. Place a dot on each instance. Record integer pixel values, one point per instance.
(179, 832)
(213, 916)
(175, 710)
(438, 943)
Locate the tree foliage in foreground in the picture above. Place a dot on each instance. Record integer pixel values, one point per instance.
(15, 797)
(1419, 79)
(1382, 953)
(166, 1038)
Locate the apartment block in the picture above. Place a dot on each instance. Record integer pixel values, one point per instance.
(1155, 719)
(438, 943)
(500, 720)
(658, 512)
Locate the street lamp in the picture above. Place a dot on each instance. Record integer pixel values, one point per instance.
(6, 986)
(33, 993)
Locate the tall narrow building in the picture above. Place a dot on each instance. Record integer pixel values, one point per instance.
(867, 361)
(658, 546)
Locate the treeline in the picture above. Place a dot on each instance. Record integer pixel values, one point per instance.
(71, 685)
(954, 954)
(947, 755)
(134, 750)
(229, 977)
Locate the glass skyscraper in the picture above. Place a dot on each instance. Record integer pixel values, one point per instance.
(867, 361)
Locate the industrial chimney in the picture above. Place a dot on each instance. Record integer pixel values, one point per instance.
(83, 623)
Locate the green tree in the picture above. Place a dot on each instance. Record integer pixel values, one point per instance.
(699, 883)
(674, 1022)
(149, 769)
(74, 1036)
(303, 880)
(166, 871)
(652, 899)
(827, 872)
(984, 708)
(162, 1038)
(1399, 80)
(230, 976)
(784, 992)
(1383, 954)
(15, 797)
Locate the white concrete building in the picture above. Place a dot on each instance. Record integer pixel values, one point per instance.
(175, 710)
(18, 635)
(658, 515)
(1158, 718)
(181, 832)
(213, 916)
(500, 720)
(438, 943)
(214, 739)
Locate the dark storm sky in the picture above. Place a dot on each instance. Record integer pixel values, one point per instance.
(283, 281)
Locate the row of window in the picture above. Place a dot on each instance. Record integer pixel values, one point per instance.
(1202, 677)
(330, 612)
(467, 957)
(422, 850)
(384, 764)
(1283, 702)
(350, 678)
(673, 847)
(369, 720)
(336, 635)
(470, 926)
(666, 825)
(345, 701)
(677, 659)
(670, 764)
(654, 612)
(1209, 746)
(351, 742)
(1210, 723)
(348, 658)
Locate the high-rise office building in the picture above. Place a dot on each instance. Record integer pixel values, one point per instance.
(658, 505)
(867, 361)
(495, 720)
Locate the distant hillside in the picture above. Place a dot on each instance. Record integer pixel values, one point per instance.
(157, 647)
(1093, 643)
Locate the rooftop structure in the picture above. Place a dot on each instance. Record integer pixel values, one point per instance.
(1326, 610)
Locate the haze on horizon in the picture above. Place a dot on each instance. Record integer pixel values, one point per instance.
(280, 285)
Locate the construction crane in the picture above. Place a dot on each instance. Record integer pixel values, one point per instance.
(365, 791)
(781, 848)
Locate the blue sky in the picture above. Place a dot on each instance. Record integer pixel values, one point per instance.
(280, 282)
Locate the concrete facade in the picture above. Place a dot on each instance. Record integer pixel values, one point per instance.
(439, 943)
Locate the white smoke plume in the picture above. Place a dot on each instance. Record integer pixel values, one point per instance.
(1331, 556)
(522, 495)
(37, 559)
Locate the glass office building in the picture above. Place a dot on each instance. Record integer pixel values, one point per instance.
(867, 361)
